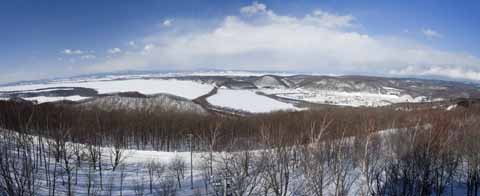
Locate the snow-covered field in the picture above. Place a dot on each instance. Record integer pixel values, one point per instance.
(240, 99)
(355, 99)
(247, 100)
(187, 89)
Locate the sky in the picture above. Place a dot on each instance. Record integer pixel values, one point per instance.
(58, 38)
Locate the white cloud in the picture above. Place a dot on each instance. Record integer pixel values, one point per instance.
(132, 43)
(431, 33)
(72, 52)
(167, 22)
(330, 20)
(442, 71)
(88, 56)
(319, 41)
(114, 50)
(253, 9)
(148, 47)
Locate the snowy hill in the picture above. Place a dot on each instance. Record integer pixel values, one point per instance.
(163, 102)
(270, 81)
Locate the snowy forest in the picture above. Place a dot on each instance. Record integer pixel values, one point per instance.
(61, 149)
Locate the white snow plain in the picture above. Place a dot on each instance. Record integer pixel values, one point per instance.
(355, 99)
(247, 100)
(182, 88)
(43, 99)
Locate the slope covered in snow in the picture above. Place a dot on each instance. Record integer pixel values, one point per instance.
(269, 81)
(247, 100)
(162, 102)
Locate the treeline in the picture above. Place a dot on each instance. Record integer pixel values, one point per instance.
(169, 131)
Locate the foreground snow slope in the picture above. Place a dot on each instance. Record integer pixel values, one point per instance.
(247, 100)
(187, 89)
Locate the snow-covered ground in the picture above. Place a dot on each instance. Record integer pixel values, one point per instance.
(45, 90)
(247, 100)
(132, 176)
(355, 99)
(44, 99)
(182, 88)
(236, 99)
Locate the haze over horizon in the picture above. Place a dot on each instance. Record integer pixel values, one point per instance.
(407, 38)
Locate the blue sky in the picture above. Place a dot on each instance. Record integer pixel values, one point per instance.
(44, 39)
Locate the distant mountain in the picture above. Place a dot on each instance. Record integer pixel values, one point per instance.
(432, 89)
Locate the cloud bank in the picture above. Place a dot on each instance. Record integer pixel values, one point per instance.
(259, 39)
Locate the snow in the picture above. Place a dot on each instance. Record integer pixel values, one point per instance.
(46, 90)
(354, 99)
(134, 175)
(451, 107)
(392, 91)
(268, 81)
(241, 99)
(247, 100)
(43, 99)
(166, 102)
(187, 89)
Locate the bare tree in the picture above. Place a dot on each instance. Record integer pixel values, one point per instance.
(167, 186)
(17, 175)
(369, 154)
(243, 181)
(315, 156)
(139, 184)
(212, 138)
(206, 175)
(471, 155)
(177, 166)
(315, 169)
(155, 172)
(122, 178)
(342, 165)
(117, 156)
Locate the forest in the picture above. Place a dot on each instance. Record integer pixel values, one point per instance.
(65, 149)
